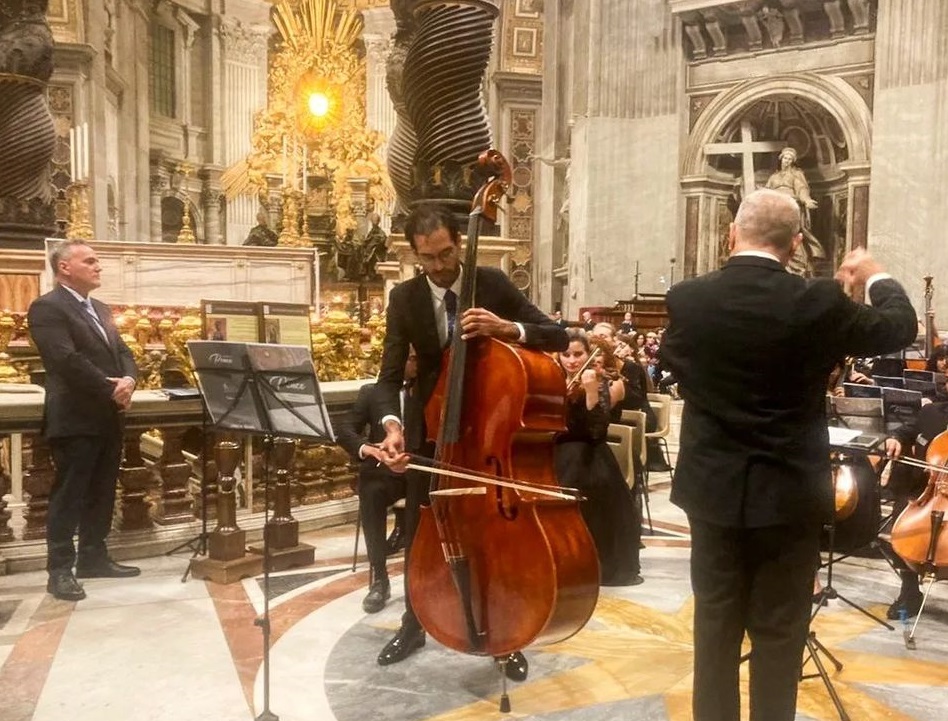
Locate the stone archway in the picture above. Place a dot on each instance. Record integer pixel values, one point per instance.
(828, 107)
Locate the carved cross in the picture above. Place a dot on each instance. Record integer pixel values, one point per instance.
(746, 148)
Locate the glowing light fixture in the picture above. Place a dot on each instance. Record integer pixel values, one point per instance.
(319, 105)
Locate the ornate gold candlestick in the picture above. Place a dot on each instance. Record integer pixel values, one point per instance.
(186, 234)
(79, 226)
(289, 237)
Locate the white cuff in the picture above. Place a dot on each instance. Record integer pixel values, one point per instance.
(872, 279)
(386, 419)
(522, 331)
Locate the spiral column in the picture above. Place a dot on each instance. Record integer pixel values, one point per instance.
(27, 135)
(442, 85)
(402, 143)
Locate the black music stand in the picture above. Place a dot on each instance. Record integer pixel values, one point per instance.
(262, 390)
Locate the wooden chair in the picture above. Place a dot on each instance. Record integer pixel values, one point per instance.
(636, 420)
(661, 404)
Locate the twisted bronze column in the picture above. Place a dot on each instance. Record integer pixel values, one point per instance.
(403, 143)
(27, 135)
(443, 82)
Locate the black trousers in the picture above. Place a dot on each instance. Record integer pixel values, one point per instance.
(416, 495)
(82, 498)
(758, 580)
(376, 493)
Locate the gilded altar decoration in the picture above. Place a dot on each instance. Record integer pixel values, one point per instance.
(175, 336)
(9, 373)
(315, 121)
(79, 227)
(337, 346)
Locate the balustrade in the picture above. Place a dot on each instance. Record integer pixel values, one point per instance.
(158, 502)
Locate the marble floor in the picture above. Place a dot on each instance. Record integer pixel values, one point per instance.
(156, 649)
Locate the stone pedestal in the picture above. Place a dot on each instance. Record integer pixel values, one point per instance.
(226, 560)
(37, 482)
(131, 509)
(282, 531)
(171, 474)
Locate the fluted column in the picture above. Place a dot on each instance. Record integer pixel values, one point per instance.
(403, 142)
(910, 144)
(443, 88)
(244, 49)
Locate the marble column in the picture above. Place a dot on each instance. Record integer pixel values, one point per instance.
(210, 204)
(158, 185)
(907, 209)
(625, 140)
(244, 50)
(380, 110)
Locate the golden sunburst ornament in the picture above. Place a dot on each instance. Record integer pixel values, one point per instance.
(315, 117)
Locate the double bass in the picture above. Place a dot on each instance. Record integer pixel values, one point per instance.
(919, 534)
(502, 558)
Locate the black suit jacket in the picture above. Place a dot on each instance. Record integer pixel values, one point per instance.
(77, 361)
(410, 319)
(751, 347)
(366, 414)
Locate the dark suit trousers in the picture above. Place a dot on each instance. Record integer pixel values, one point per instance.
(376, 493)
(759, 580)
(82, 498)
(416, 495)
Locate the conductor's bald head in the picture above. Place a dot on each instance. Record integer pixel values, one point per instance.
(769, 221)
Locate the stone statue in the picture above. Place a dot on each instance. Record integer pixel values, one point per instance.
(564, 206)
(261, 234)
(374, 248)
(790, 180)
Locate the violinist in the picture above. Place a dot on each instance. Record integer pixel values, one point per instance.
(423, 313)
(753, 468)
(905, 484)
(584, 461)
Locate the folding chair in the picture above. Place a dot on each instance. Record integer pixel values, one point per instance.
(661, 404)
(636, 420)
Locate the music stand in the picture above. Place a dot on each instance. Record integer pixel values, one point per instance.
(262, 390)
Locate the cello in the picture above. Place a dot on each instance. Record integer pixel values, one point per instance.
(919, 535)
(502, 558)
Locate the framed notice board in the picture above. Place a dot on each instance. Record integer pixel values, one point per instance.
(285, 324)
(251, 322)
(230, 320)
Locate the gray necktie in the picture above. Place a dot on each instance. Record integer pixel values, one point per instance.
(87, 304)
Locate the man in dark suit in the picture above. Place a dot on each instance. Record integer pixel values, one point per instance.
(422, 313)
(90, 376)
(379, 487)
(753, 472)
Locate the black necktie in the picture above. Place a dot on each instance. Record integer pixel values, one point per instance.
(451, 308)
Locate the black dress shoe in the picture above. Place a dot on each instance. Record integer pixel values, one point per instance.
(911, 605)
(65, 587)
(106, 568)
(402, 645)
(516, 667)
(379, 592)
(625, 578)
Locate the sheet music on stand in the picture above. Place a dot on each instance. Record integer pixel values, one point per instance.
(261, 388)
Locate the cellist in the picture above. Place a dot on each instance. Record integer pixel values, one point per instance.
(905, 484)
(422, 312)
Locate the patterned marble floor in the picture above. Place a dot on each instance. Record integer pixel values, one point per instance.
(156, 649)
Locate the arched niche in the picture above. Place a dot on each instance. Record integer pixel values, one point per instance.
(822, 117)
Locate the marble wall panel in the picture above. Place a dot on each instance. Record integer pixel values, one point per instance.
(627, 211)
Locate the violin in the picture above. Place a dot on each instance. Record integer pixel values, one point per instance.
(602, 359)
(918, 535)
(502, 558)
